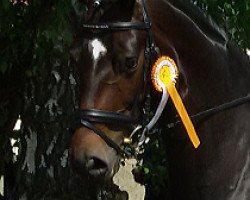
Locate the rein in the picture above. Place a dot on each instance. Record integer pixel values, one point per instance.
(197, 118)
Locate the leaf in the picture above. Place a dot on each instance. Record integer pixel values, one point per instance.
(6, 4)
(3, 67)
(28, 73)
(146, 170)
(247, 5)
(67, 37)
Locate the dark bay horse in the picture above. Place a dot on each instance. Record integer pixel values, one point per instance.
(114, 52)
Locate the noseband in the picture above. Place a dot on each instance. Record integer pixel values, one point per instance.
(88, 117)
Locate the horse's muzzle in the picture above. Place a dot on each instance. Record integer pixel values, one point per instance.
(91, 156)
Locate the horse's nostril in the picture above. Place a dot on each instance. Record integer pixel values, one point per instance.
(96, 167)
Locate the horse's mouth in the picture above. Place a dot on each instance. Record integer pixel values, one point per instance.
(97, 172)
(97, 167)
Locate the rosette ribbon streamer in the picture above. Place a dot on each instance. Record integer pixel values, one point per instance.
(164, 75)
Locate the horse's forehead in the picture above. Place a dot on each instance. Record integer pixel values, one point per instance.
(97, 48)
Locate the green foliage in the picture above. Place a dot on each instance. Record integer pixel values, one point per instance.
(28, 33)
(233, 16)
(33, 38)
(152, 168)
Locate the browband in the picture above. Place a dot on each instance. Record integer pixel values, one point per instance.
(118, 26)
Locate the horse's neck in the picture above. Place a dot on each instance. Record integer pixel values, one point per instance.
(210, 63)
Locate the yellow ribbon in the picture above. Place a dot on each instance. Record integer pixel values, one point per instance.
(164, 74)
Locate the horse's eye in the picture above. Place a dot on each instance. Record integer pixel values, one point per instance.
(131, 63)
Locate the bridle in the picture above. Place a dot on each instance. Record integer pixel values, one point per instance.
(88, 117)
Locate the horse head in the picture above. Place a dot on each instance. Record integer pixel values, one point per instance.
(112, 52)
(110, 61)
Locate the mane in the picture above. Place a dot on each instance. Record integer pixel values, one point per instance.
(203, 21)
(210, 28)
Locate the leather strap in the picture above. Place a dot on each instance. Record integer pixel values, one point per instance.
(197, 118)
(108, 141)
(87, 118)
(118, 26)
(106, 117)
(121, 26)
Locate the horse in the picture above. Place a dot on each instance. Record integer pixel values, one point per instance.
(114, 51)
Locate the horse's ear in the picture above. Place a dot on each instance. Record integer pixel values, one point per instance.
(138, 8)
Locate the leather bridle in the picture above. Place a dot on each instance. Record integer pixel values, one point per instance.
(88, 117)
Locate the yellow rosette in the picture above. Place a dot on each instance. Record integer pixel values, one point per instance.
(164, 75)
